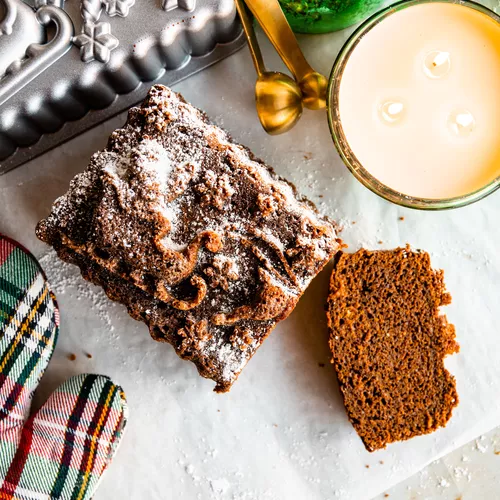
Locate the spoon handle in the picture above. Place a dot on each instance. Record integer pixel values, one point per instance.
(253, 44)
(274, 23)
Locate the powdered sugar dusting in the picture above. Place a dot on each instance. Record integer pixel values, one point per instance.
(222, 246)
(65, 279)
(231, 360)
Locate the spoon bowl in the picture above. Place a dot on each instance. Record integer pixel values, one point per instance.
(278, 97)
(279, 102)
(272, 20)
(313, 87)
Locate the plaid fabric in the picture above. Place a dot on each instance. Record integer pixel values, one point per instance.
(29, 325)
(62, 450)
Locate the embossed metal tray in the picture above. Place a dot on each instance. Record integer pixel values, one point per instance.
(65, 67)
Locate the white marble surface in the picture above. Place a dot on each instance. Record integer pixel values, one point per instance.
(282, 431)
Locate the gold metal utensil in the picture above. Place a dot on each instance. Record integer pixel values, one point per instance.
(278, 97)
(312, 84)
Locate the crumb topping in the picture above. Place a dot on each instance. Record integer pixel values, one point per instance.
(219, 246)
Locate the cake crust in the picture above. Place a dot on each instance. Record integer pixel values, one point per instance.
(197, 237)
(389, 341)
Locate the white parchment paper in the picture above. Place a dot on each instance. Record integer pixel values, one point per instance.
(282, 432)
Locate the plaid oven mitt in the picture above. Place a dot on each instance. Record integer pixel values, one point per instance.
(62, 450)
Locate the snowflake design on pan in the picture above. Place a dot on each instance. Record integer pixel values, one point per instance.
(169, 5)
(117, 7)
(91, 10)
(96, 42)
(56, 3)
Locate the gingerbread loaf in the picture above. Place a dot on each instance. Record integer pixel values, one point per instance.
(388, 342)
(199, 239)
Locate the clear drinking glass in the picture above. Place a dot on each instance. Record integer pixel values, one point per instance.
(349, 158)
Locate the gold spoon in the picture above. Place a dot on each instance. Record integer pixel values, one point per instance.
(312, 84)
(277, 96)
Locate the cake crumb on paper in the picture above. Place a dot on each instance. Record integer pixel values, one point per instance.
(219, 486)
(444, 483)
(460, 472)
(480, 447)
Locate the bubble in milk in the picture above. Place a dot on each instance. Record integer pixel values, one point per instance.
(392, 112)
(437, 64)
(461, 123)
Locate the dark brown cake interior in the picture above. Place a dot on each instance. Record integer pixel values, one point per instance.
(388, 342)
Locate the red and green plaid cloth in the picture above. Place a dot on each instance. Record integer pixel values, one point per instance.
(62, 450)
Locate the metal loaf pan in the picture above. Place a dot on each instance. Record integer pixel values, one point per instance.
(67, 67)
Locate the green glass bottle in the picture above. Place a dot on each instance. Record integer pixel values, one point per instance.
(322, 16)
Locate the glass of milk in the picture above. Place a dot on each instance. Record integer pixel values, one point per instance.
(414, 103)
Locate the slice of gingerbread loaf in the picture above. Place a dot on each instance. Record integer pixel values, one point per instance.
(198, 238)
(388, 342)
